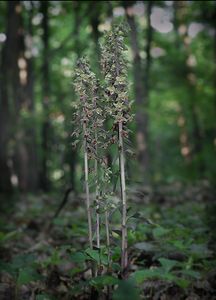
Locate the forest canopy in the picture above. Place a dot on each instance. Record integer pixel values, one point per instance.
(171, 53)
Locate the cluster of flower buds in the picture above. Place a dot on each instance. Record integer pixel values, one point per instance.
(87, 110)
(114, 66)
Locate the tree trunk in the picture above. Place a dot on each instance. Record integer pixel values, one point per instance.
(8, 83)
(45, 184)
(190, 81)
(17, 97)
(30, 134)
(25, 157)
(5, 172)
(141, 82)
(214, 81)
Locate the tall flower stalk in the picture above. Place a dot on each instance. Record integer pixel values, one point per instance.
(94, 110)
(85, 84)
(107, 173)
(114, 66)
(89, 111)
(96, 170)
(86, 168)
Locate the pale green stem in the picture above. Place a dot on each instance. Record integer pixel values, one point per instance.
(124, 255)
(88, 206)
(107, 236)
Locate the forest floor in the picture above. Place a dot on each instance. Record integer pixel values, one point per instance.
(171, 239)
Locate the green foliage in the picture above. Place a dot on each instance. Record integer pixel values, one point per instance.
(178, 256)
(164, 273)
(79, 257)
(160, 231)
(126, 290)
(44, 296)
(54, 259)
(23, 268)
(167, 264)
(184, 242)
(105, 280)
(97, 256)
(8, 236)
(27, 275)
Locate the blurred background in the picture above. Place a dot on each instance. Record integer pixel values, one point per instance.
(172, 75)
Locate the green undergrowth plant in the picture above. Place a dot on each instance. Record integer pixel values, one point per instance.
(169, 253)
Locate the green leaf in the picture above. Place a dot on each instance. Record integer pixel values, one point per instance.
(148, 247)
(8, 236)
(142, 275)
(104, 280)
(116, 267)
(160, 231)
(74, 271)
(43, 297)
(126, 291)
(116, 231)
(55, 258)
(179, 245)
(167, 264)
(8, 267)
(79, 287)
(116, 253)
(27, 275)
(200, 250)
(136, 215)
(182, 282)
(79, 257)
(93, 254)
(158, 273)
(191, 273)
(22, 261)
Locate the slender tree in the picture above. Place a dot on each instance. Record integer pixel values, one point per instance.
(141, 71)
(45, 95)
(5, 110)
(17, 99)
(189, 80)
(30, 130)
